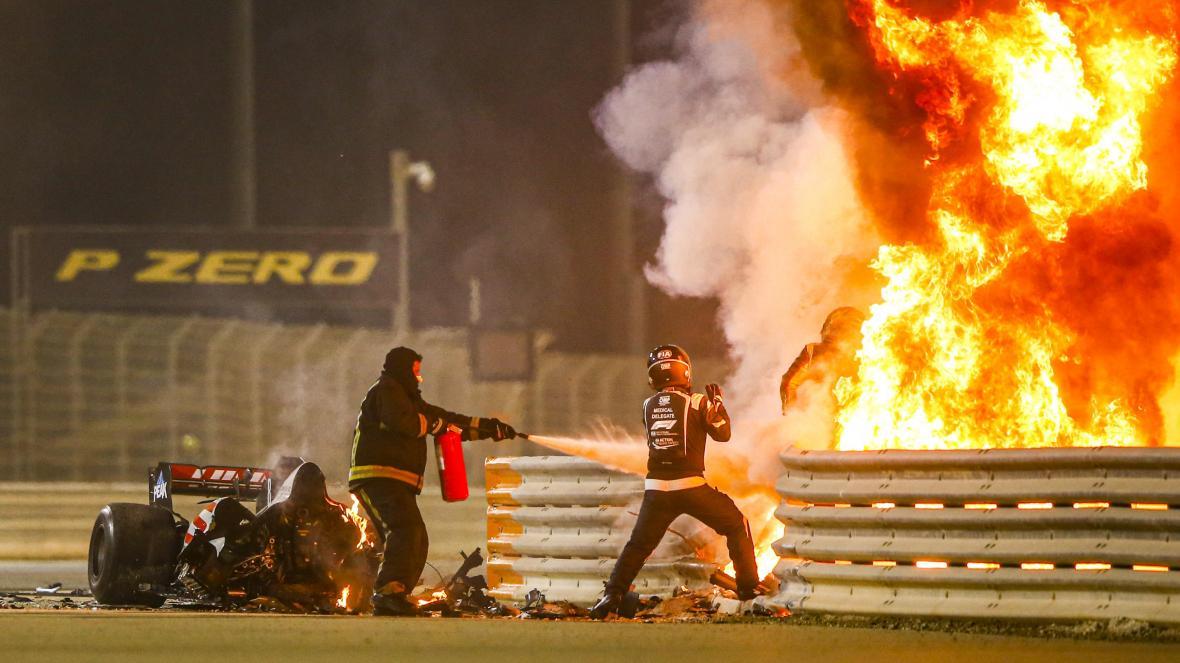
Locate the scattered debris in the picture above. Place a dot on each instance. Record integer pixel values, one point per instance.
(14, 601)
(675, 606)
(40, 600)
(51, 588)
(463, 594)
(728, 606)
(536, 606)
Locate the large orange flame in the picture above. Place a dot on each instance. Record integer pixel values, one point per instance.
(1034, 121)
(362, 523)
(765, 557)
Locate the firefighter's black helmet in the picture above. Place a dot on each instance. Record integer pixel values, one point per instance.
(669, 366)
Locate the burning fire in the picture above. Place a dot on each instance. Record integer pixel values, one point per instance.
(1034, 124)
(342, 602)
(764, 555)
(362, 524)
(436, 595)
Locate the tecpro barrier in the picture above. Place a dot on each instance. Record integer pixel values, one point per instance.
(557, 524)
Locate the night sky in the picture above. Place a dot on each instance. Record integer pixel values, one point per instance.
(122, 113)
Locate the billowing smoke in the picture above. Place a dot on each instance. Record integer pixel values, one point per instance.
(761, 209)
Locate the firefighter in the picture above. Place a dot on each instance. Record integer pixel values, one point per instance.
(835, 354)
(388, 459)
(677, 423)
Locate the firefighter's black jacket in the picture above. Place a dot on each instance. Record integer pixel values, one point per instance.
(677, 423)
(390, 437)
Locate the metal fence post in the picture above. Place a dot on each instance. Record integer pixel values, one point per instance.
(303, 372)
(615, 387)
(341, 356)
(577, 392)
(539, 412)
(19, 330)
(211, 374)
(77, 384)
(257, 427)
(33, 329)
(173, 378)
(121, 387)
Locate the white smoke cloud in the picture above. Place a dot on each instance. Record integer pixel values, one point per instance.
(761, 209)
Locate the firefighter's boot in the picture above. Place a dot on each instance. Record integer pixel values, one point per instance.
(608, 605)
(391, 601)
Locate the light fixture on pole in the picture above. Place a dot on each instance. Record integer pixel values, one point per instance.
(401, 171)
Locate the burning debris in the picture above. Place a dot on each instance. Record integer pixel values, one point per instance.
(718, 601)
(464, 594)
(303, 553)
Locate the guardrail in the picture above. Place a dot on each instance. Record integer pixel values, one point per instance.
(1012, 533)
(558, 523)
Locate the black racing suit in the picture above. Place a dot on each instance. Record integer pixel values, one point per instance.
(388, 460)
(677, 423)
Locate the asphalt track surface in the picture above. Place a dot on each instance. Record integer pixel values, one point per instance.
(137, 636)
(44, 531)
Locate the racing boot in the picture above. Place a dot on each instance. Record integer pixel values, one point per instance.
(608, 605)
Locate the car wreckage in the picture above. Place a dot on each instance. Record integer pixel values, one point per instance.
(298, 550)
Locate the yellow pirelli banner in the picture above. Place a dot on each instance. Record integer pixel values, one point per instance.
(185, 268)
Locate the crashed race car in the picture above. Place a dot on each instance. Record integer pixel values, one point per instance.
(298, 551)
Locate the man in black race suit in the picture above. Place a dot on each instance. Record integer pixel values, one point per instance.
(677, 423)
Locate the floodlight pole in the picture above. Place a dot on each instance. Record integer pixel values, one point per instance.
(244, 189)
(401, 170)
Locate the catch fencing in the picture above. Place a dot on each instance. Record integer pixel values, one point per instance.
(97, 396)
(1012, 533)
(557, 524)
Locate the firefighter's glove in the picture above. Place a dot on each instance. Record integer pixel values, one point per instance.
(495, 429)
(501, 431)
(713, 392)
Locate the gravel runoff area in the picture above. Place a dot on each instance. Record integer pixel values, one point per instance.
(135, 636)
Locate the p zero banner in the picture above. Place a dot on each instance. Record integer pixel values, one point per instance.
(189, 268)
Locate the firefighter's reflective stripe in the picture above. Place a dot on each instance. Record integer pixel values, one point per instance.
(382, 528)
(422, 422)
(358, 472)
(673, 484)
(438, 427)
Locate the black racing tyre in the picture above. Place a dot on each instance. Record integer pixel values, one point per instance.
(133, 549)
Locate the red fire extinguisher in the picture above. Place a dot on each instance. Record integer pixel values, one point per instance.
(452, 471)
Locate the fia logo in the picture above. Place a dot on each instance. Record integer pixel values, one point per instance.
(664, 354)
(664, 400)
